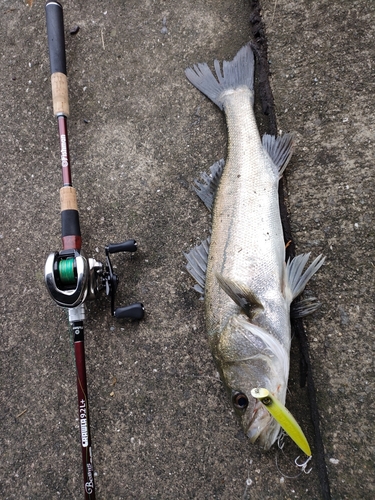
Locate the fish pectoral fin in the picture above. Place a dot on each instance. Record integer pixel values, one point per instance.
(304, 307)
(197, 264)
(207, 185)
(241, 295)
(280, 150)
(296, 278)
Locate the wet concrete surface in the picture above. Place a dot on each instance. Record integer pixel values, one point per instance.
(139, 134)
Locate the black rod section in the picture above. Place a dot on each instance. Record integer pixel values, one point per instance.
(56, 39)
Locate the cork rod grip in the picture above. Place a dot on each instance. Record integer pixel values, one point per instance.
(57, 58)
(68, 198)
(60, 99)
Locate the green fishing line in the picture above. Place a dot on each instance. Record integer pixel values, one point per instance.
(66, 271)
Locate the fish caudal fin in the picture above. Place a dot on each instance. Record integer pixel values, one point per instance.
(296, 278)
(280, 150)
(238, 72)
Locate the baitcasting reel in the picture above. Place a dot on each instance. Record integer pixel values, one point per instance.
(71, 279)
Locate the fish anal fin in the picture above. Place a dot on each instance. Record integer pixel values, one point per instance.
(207, 185)
(197, 264)
(241, 295)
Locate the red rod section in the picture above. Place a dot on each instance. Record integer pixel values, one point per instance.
(83, 412)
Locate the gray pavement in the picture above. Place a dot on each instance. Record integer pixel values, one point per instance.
(139, 134)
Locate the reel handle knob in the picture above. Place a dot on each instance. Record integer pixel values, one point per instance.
(125, 246)
(134, 311)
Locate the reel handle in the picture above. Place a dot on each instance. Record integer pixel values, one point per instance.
(134, 311)
(126, 246)
(57, 58)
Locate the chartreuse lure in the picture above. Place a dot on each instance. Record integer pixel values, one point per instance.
(283, 417)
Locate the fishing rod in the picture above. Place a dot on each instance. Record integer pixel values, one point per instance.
(70, 277)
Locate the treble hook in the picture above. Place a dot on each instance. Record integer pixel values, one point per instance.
(303, 466)
(281, 439)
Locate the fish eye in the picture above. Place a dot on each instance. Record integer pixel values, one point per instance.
(240, 401)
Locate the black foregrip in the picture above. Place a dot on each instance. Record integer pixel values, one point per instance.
(70, 223)
(56, 39)
(126, 246)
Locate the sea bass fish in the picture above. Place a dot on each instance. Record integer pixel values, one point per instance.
(248, 287)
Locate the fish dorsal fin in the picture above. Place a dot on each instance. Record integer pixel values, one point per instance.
(207, 185)
(296, 278)
(197, 264)
(241, 294)
(280, 149)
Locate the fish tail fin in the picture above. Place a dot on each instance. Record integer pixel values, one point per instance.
(238, 72)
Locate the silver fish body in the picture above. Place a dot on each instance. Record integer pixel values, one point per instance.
(247, 243)
(248, 286)
(247, 247)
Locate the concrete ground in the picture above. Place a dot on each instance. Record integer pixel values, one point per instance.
(139, 134)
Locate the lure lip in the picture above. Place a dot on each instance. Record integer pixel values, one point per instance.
(260, 393)
(283, 416)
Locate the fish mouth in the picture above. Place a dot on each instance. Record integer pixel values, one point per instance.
(263, 427)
